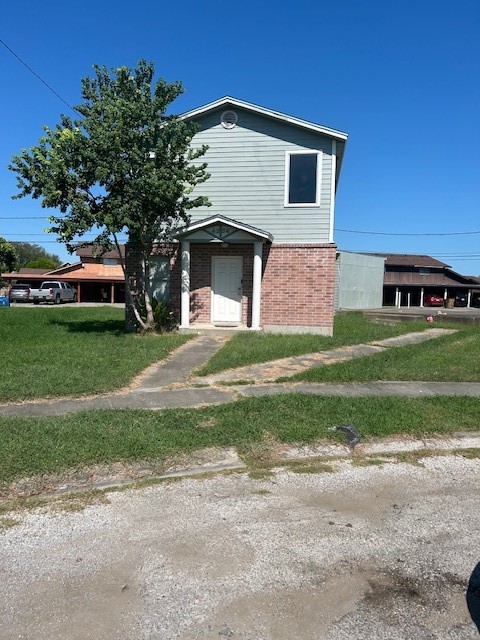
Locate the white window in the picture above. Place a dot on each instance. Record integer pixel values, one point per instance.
(302, 179)
(110, 262)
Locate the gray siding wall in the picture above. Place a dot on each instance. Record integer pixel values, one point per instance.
(247, 183)
(358, 281)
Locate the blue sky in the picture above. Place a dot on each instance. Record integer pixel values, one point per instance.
(402, 79)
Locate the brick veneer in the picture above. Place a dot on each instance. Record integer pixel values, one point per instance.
(298, 284)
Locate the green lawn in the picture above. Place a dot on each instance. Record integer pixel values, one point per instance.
(350, 328)
(51, 352)
(32, 446)
(453, 358)
(58, 351)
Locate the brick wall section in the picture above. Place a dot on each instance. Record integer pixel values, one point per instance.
(298, 282)
(298, 285)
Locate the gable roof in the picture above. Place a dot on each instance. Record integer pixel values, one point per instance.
(410, 260)
(226, 102)
(269, 113)
(36, 270)
(94, 251)
(230, 226)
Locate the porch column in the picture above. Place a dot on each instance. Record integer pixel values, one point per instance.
(79, 292)
(445, 295)
(422, 291)
(469, 297)
(112, 292)
(257, 284)
(397, 297)
(185, 285)
(408, 298)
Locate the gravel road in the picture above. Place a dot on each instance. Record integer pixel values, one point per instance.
(377, 552)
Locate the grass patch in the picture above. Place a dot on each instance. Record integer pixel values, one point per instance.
(73, 501)
(367, 462)
(248, 347)
(36, 446)
(7, 523)
(468, 453)
(51, 352)
(311, 467)
(261, 474)
(451, 358)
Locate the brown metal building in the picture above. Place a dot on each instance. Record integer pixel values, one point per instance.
(410, 279)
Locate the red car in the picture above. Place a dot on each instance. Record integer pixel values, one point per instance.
(432, 300)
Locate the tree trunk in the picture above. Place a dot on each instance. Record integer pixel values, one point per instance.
(134, 286)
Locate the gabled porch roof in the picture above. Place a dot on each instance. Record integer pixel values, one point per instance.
(223, 230)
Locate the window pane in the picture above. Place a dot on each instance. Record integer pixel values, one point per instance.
(303, 178)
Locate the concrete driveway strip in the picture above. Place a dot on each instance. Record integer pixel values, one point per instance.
(371, 553)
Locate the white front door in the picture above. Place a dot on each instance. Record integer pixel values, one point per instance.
(227, 289)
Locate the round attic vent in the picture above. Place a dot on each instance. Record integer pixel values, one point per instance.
(228, 119)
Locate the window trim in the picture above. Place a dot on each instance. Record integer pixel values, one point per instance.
(310, 152)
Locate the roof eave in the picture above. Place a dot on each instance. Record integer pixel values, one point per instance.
(207, 222)
(276, 115)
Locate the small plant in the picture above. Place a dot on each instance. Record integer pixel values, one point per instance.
(162, 316)
(316, 467)
(367, 462)
(261, 474)
(6, 523)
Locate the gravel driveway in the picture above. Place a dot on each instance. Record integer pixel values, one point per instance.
(367, 552)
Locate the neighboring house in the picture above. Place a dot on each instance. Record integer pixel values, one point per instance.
(97, 277)
(262, 255)
(359, 281)
(410, 279)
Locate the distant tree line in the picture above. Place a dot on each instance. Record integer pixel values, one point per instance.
(34, 256)
(17, 255)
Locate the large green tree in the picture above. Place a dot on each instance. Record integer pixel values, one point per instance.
(8, 256)
(123, 166)
(29, 252)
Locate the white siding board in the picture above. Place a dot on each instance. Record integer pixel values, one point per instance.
(247, 167)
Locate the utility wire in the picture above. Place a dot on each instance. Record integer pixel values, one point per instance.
(382, 233)
(372, 233)
(39, 77)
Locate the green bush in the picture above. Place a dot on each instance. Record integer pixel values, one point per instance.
(163, 316)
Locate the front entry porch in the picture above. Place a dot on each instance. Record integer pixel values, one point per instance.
(221, 274)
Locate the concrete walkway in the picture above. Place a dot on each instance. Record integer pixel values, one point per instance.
(287, 367)
(170, 384)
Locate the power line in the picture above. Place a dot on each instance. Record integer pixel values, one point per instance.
(39, 77)
(382, 233)
(371, 233)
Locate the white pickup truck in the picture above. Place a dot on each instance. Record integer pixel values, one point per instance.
(54, 291)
